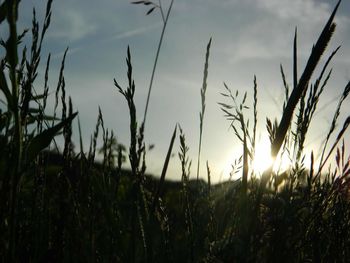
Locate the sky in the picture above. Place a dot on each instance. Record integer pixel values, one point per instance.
(251, 37)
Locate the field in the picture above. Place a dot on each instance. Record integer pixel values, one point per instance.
(62, 203)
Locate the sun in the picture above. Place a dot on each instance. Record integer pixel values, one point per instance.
(260, 162)
(262, 159)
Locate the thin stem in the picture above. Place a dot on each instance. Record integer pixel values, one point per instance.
(12, 57)
(156, 61)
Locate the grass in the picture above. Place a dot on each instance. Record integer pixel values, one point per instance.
(65, 206)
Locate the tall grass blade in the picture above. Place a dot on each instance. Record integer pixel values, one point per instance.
(17, 155)
(164, 170)
(344, 95)
(255, 112)
(80, 137)
(60, 81)
(297, 92)
(209, 180)
(201, 114)
(340, 135)
(295, 61)
(245, 158)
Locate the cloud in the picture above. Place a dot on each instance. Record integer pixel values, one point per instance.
(71, 25)
(269, 32)
(301, 10)
(70, 52)
(123, 35)
(135, 32)
(308, 12)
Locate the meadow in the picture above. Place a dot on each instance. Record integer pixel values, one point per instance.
(69, 206)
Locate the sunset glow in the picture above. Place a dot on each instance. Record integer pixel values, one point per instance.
(262, 157)
(262, 160)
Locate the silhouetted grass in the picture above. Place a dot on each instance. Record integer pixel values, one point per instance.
(65, 206)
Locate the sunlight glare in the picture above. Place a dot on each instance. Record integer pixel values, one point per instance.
(262, 157)
(263, 160)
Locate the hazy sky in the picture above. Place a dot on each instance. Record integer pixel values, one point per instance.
(249, 37)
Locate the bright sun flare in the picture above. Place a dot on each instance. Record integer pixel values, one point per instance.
(262, 157)
(261, 161)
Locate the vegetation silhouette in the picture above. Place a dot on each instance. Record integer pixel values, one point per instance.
(63, 206)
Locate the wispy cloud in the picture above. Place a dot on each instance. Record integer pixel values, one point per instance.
(71, 25)
(70, 52)
(310, 12)
(119, 36)
(305, 11)
(136, 32)
(265, 38)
